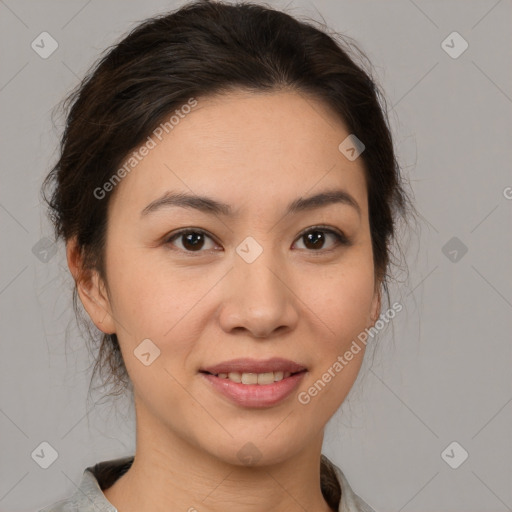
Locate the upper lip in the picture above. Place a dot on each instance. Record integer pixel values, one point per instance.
(246, 365)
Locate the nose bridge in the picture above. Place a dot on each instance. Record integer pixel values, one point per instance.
(255, 269)
(258, 298)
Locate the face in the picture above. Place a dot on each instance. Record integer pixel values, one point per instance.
(258, 281)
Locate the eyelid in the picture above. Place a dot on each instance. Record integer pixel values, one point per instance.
(341, 238)
(328, 229)
(182, 231)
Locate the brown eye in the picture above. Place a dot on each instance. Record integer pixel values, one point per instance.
(192, 240)
(315, 238)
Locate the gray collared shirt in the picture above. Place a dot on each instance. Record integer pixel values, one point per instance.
(89, 497)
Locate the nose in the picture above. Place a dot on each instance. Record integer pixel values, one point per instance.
(258, 298)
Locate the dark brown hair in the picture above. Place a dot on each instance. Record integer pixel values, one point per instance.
(202, 49)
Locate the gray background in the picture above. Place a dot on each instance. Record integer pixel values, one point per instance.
(445, 374)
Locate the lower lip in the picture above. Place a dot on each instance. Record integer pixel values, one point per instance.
(255, 395)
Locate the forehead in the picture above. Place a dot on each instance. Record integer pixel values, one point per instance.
(245, 148)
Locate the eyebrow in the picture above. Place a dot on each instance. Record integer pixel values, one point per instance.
(212, 206)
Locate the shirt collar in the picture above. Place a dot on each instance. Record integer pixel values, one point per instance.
(89, 497)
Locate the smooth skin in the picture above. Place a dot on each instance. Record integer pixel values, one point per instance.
(201, 303)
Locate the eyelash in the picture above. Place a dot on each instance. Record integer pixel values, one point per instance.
(341, 239)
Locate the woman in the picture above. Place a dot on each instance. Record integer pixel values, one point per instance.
(227, 190)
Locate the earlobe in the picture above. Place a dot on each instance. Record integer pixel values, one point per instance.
(95, 300)
(376, 306)
(91, 290)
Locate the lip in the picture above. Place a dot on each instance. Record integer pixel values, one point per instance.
(255, 395)
(247, 365)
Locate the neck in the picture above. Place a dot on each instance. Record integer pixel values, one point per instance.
(168, 472)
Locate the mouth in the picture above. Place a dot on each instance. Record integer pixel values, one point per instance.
(255, 371)
(262, 379)
(260, 389)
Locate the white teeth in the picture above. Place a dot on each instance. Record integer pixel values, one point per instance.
(265, 378)
(255, 378)
(278, 376)
(249, 378)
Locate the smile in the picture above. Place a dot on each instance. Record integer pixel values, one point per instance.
(263, 379)
(255, 390)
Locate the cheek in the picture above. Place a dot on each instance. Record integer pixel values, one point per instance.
(153, 301)
(341, 298)
(341, 302)
(142, 300)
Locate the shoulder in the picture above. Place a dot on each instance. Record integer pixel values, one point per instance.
(350, 501)
(89, 497)
(65, 505)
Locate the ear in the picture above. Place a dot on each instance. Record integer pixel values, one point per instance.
(376, 304)
(91, 290)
